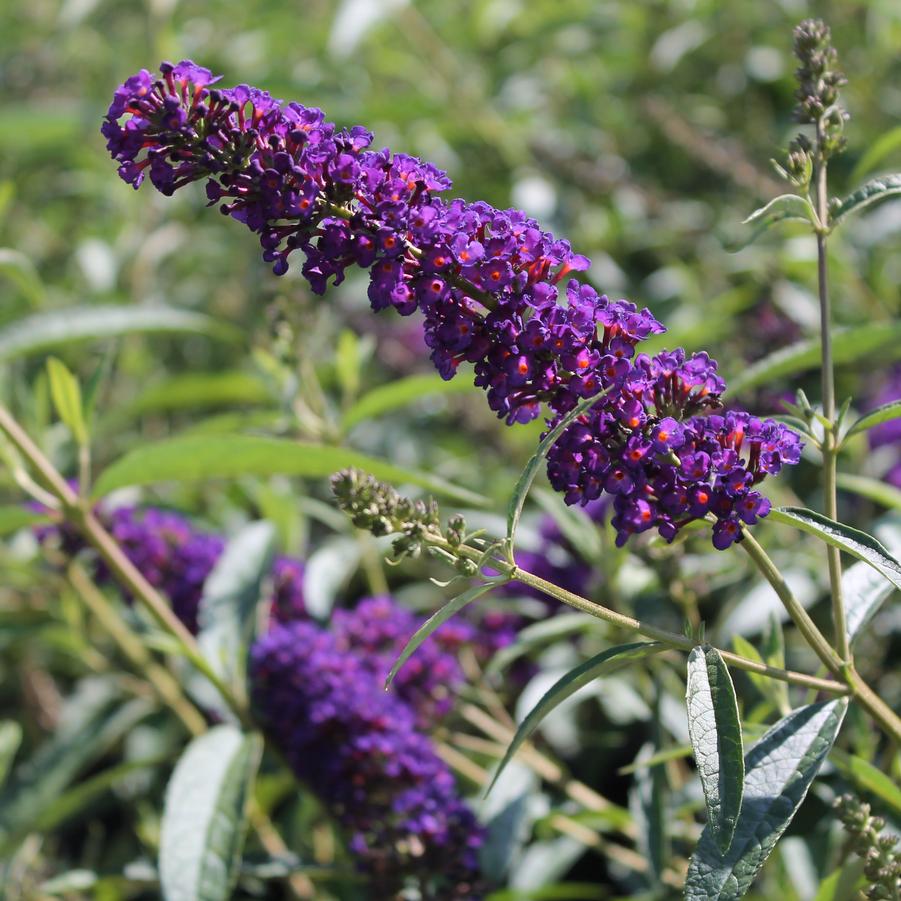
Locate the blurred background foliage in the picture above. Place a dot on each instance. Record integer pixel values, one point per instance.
(640, 131)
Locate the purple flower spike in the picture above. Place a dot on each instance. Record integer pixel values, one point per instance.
(357, 747)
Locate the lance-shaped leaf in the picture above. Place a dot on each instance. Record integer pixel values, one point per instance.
(876, 189)
(66, 394)
(14, 518)
(227, 610)
(527, 476)
(848, 346)
(715, 732)
(192, 458)
(43, 331)
(778, 772)
(885, 413)
(435, 621)
(859, 544)
(600, 665)
(204, 816)
(864, 590)
(398, 394)
(876, 490)
(784, 208)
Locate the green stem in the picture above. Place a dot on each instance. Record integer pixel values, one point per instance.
(79, 514)
(827, 378)
(671, 639)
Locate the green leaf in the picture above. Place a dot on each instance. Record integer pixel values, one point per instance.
(849, 345)
(534, 636)
(93, 720)
(876, 189)
(873, 489)
(778, 773)
(864, 590)
(715, 732)
(398, 394)
(859, 544)
(14, 518)
(227, 613)
(868, 778)
(843, 884)
(784, 208)
(876, 153)
(205, 817)
(10, 739)
(600, 665)
(435, 621)
(193, 458)
(198, 391)
(45, 331)
(18, 268)
(524, 482)
(885, 413)
(66, 394)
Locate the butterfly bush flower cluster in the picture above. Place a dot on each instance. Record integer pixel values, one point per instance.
(491, 285)
(360, 750)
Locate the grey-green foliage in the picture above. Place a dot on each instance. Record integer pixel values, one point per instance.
(205, 818)
(778, 773)
(715, 731)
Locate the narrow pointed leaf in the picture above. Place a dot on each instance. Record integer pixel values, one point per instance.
(784, 208)
(864, 590)
(44, 331)
(538, 634)
(398, 394)
(527, 476)
(228, 606)
(193, 458)
(435, 621)
(14, 518)
(876, 189)
(868, 778)
(778, 772)
(66, 394)
(884, 145)
(875, 490)
(885, 413)
(205, 818)
(600, 665)
(715, 732)
(859, 544)
(10, 739)
(849, 345)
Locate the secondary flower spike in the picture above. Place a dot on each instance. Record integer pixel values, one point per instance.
(487, 282)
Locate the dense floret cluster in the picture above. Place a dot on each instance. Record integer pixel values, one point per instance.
(485, 280)
(358, 748)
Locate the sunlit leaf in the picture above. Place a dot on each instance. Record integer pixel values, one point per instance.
(205, 816)
(859, 544)
(66, 394)
(193, 458)
(778, 773)
(784, 208)
(874, 190)
(45, 331)
(399, 394)
(884, 413)
(876, 490)
(715, 731)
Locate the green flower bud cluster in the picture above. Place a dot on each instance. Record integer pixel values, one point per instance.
(882, 863)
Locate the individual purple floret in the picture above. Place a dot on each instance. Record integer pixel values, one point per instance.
(377, 629)
(358, 748)
(487, 283)
(288, 604)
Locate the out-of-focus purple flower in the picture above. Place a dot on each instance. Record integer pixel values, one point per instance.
(888, 434)
(358, 748)
(176, 558)
(377, 629)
